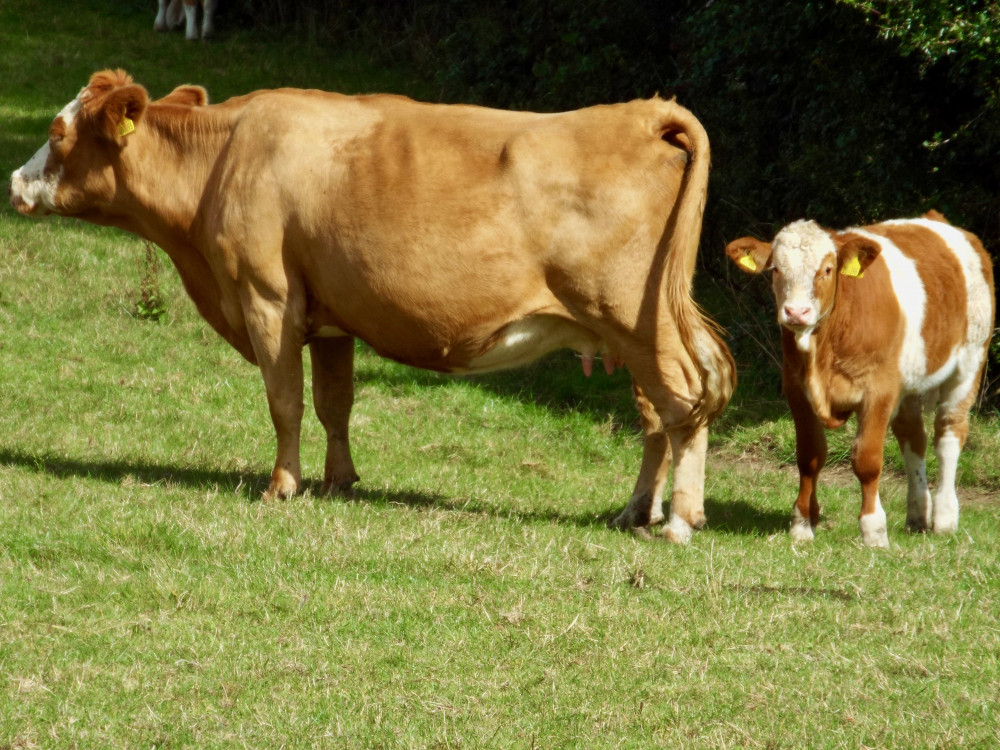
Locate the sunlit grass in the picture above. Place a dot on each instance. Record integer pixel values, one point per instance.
(471, 594)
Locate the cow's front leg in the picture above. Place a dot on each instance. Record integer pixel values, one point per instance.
(276, 334)
(866, 458)
(333, 396)
(645, 507)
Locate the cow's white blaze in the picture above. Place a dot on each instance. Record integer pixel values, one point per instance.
(35, 184)
(798, 254)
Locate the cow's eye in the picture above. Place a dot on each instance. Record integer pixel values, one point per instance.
(827, 271)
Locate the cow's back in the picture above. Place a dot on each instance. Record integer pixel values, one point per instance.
(426, 227)
(943, 282)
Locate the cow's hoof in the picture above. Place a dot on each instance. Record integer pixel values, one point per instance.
(801, 531)
(340, 487)
(677, 531)
(873, 530)
(283, 485)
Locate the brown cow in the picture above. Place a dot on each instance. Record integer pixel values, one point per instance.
(454, 238)
(874, 321)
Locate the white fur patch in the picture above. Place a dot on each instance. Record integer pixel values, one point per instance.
(966, 359)
(912, 297)
(32, 184)
(678, 530)
(946, 501)
(873, 527)
(801, 530)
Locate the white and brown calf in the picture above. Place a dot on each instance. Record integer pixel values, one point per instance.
(875, 321)
(170, 13)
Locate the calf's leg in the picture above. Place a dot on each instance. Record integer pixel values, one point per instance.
(951, 427)
(908, 427)
(866, 457)
(333, 397)
(810, 455)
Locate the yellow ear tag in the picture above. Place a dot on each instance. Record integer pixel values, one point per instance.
(747, 262)
(853, 268)
(126, 127)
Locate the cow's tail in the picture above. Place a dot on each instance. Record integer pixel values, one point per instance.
(702, 338)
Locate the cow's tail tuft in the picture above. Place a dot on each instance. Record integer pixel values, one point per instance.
(702, 337)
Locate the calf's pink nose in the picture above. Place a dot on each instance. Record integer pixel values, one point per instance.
(797, 315)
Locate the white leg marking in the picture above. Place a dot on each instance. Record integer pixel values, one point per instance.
(191, 16)
(918, 497)
(207, 27)
(801, 530)
(160, 24)
(873, 527)
(678, 530)
(946, 502)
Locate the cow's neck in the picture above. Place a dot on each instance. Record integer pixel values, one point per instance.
(817, 360)
(164, 171)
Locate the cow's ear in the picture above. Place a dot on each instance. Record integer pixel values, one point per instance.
(751, 255)
(855, 254)
(186, 96)
(122, 110)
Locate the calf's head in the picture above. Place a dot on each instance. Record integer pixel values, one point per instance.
(805, 261)
(73, 174)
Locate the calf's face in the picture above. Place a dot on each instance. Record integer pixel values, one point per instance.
(804, 260)
(73, 174)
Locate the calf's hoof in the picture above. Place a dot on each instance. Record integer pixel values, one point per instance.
(873, 530)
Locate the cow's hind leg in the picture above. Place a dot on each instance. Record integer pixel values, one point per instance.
(333, 397)
(908, 427)
(645, 507)
(951, 427)
(687, 501)
(688, 443)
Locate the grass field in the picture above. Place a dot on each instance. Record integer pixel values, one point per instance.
(471, 595)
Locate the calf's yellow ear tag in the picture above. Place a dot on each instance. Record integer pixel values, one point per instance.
(126, 127)
(747, 262)
(853, 268)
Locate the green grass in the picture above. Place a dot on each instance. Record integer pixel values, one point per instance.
(471, 595)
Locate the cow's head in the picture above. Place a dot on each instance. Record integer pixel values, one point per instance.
(74, 173)
(805, 261)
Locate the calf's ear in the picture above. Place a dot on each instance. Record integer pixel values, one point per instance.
(122, 110)
(749, 254)
(855, 254)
